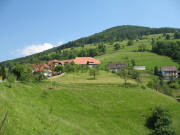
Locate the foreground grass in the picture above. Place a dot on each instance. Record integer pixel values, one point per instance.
(79, 106)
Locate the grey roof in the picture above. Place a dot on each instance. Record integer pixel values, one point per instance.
(168, 68)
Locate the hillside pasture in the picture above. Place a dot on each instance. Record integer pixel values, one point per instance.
(79, 106)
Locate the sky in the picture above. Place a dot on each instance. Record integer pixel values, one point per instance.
(31, 26)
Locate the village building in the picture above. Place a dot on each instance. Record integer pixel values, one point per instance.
(139, 67)
(169, 71)
(116, 66)
(91, 62)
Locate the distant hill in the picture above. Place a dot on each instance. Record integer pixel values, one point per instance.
(118, 33)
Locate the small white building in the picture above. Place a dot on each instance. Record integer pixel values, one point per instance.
(139, 67)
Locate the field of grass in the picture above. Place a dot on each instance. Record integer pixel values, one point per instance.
(128, 53)
(80, 106)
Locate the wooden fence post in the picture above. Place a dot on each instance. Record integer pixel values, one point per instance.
(3, 122)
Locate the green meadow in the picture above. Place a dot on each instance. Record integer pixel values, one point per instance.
(75, 104)
(78, 105)
(147, 58)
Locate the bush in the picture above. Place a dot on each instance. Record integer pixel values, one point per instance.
(164, 131)
(59, 69)
(70, 67)
(174, 85)
(143, 87)
(116, 46)
(160, 121)
(142, 48)
(160, 117)
(130, 42)
(10, 79)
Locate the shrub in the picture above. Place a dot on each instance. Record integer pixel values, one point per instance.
(174, 85)
(142, 48)
(160, 121)
(116, 46)
(59, 69)
(10, 79)
(70, 67)
(130, 42)
(143, 87)
(164, 131)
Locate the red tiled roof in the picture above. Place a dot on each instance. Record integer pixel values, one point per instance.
(40, 67)
(86, 60)
(66, 61)
(169, 68)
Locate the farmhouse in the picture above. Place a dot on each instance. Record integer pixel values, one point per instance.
(116, 66)
(169, 71)
(91, 62)
(139, 67)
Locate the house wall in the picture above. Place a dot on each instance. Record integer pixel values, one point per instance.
(92, 66)
(168, 74)
(47, 74)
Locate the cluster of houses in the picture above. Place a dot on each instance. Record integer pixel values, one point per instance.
(48, 68)
(166, 71)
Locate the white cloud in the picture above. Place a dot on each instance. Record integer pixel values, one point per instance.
(32, 49)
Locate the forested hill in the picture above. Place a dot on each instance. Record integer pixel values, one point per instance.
(118, 33)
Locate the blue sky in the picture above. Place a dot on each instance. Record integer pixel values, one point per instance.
(30, 26)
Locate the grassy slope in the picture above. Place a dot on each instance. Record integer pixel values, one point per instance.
(147, 58)
(79, 106)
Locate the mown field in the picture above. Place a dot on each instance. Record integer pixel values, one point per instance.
(78, 105)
